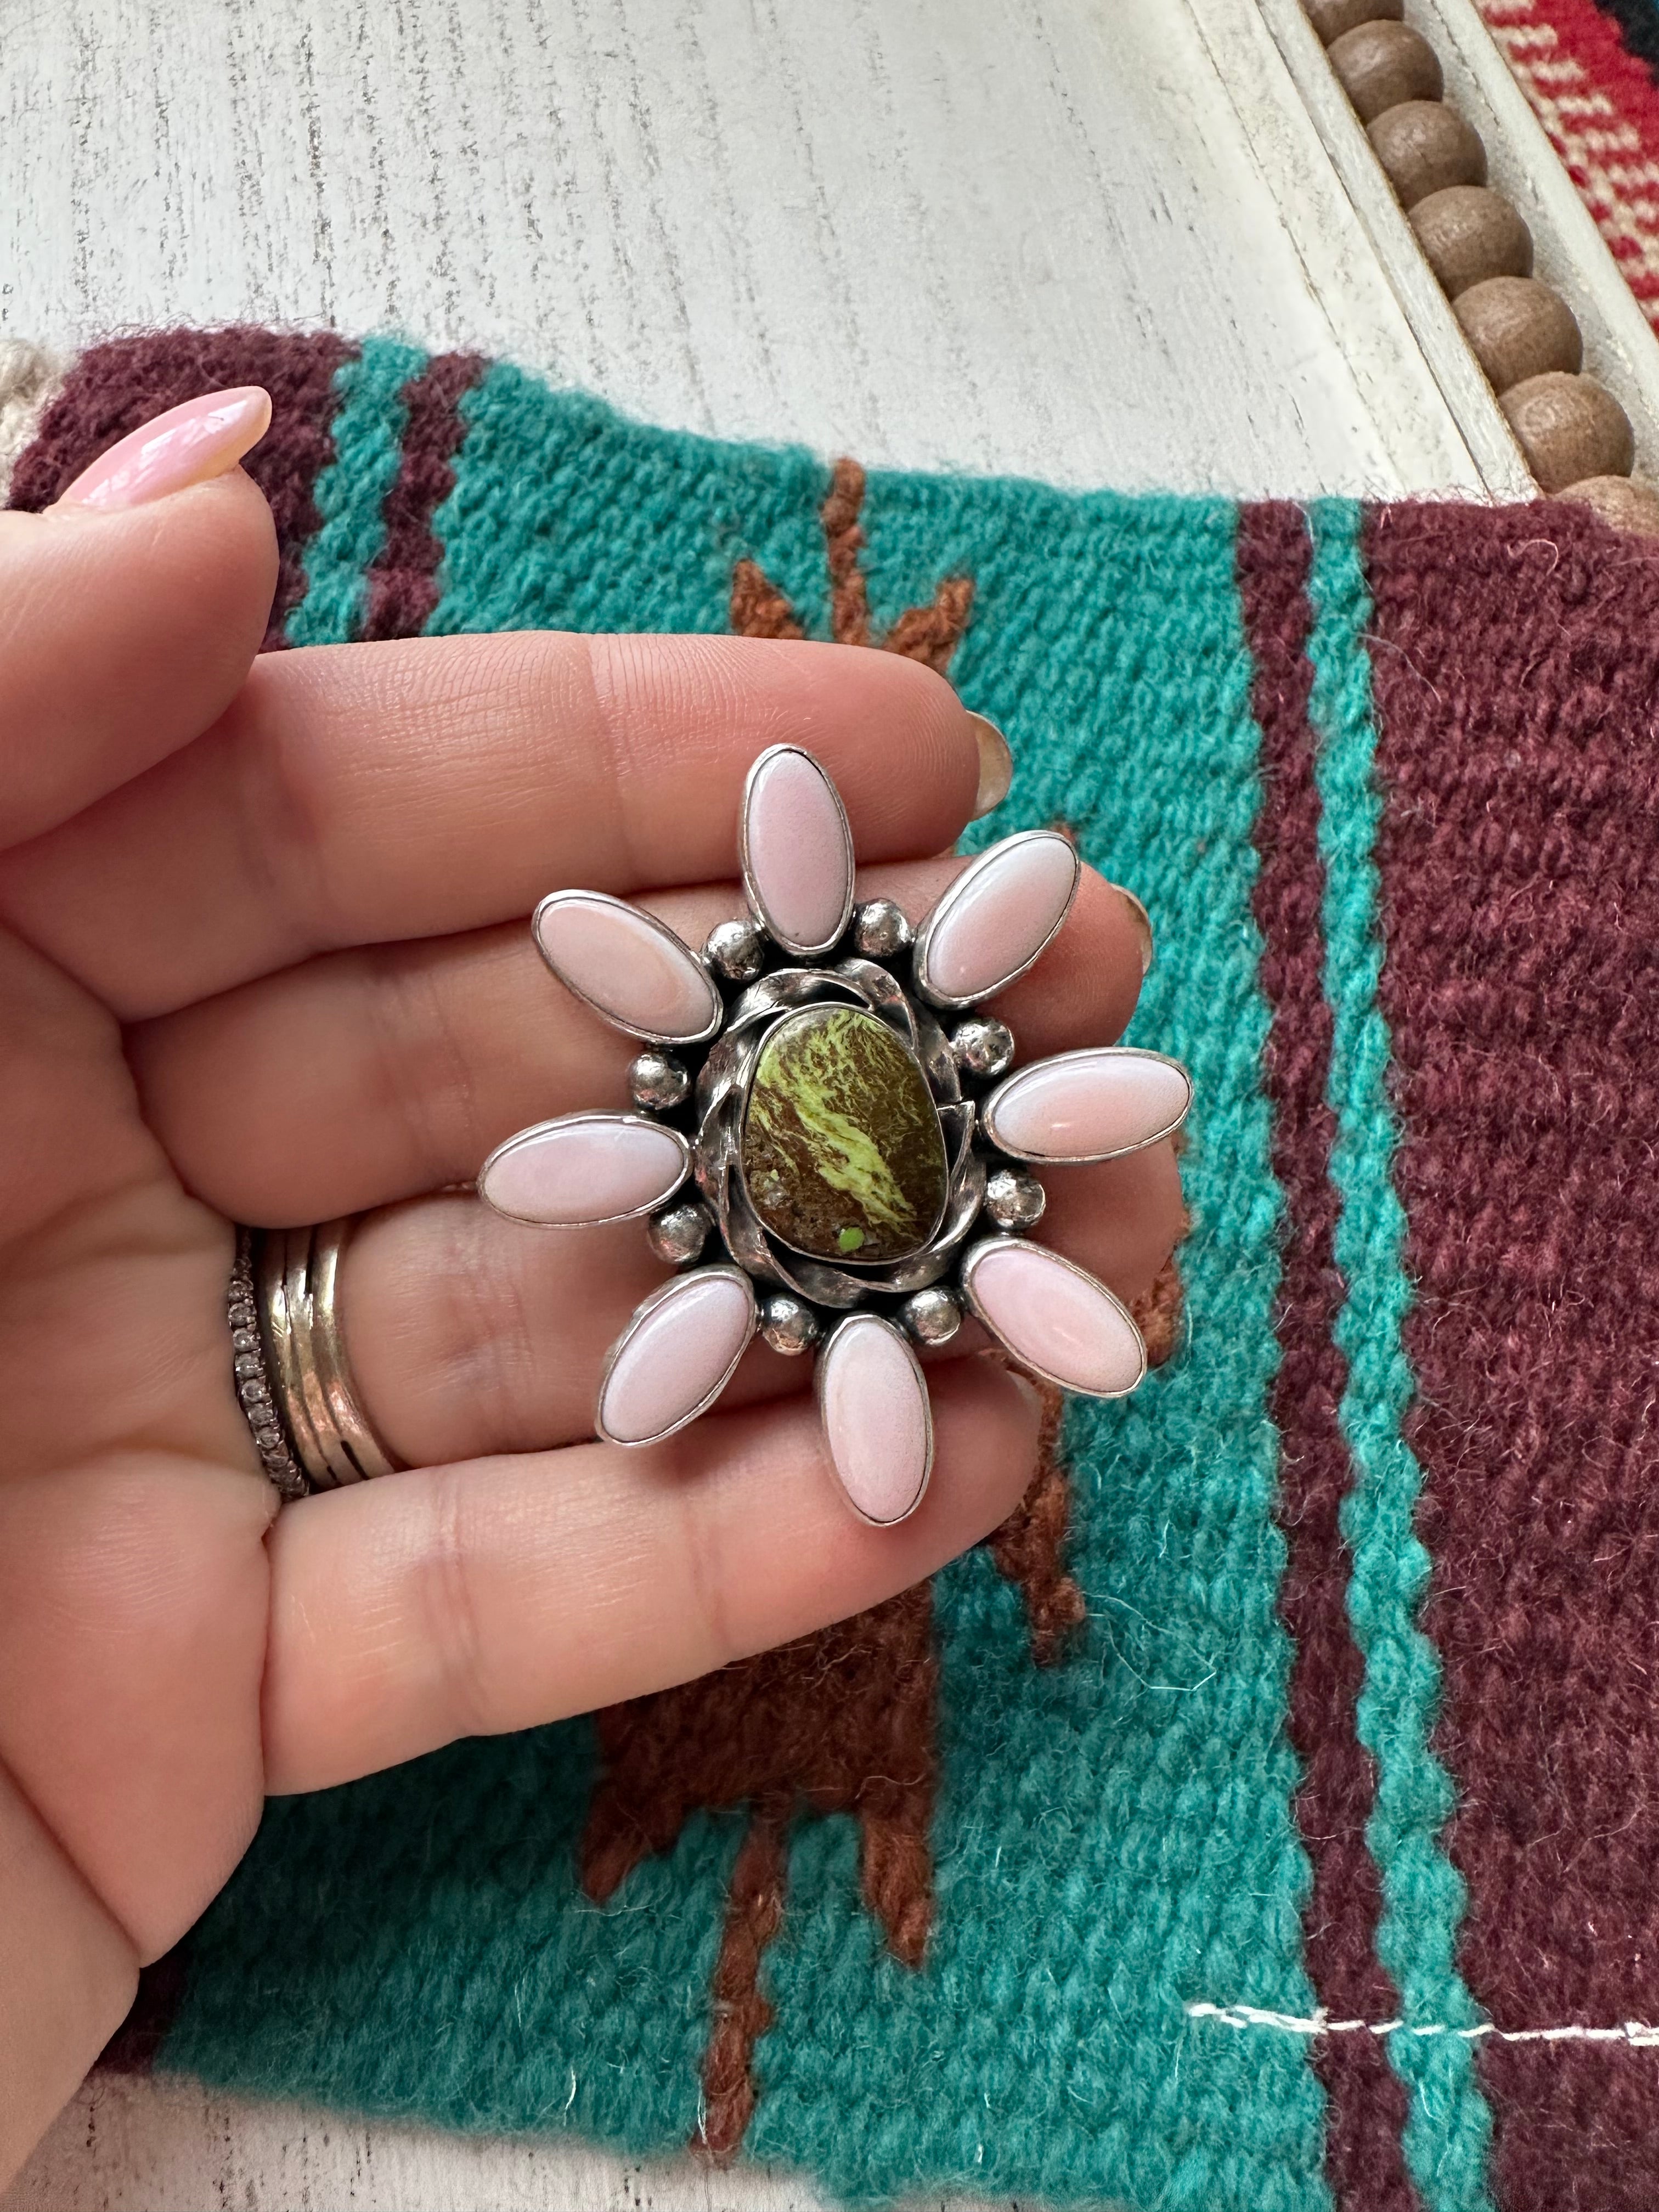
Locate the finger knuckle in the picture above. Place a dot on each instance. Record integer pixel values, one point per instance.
(451, 1611)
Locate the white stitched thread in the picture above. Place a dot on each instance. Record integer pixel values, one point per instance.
(1636, 2032)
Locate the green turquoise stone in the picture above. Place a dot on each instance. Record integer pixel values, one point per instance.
(843, 1157)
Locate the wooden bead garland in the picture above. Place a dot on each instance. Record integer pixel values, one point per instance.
(1517, 328)
(1576, 437)
(1423, 146)
(1331, 18)
(1569, 428)
(1380, 64)
(1620, 500)
(1468, 233)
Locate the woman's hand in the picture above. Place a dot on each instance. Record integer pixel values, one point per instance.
(264, 957)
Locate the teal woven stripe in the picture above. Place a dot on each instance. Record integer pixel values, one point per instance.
(1113, 1836)
(567, 516)
(1449, 2129)
(351, 491)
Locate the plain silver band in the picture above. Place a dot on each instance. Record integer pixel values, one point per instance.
(297, 1278)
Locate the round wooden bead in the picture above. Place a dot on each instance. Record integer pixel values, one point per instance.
(1331, 18)
(1517, 328)
(1569, 428)
(1423, 146)
(1467, 234)
(1626, 505)
(1380, 64)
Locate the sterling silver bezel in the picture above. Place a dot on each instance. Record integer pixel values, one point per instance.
(523, 1137)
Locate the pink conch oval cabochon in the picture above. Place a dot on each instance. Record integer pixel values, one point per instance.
(1055, 1318)
(796, 851)
(588, 1167)
(676, 1354)
(635, 971)
(1088, 1105)
(997, 915)
(876, 1418)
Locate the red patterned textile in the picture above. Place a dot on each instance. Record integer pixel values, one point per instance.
(1589, 71)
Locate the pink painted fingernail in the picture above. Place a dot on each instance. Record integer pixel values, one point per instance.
(996, 766)
(1027, 1389)
(188, 445)
(1143, 922)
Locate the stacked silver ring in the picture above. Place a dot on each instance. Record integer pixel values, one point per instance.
(292, 1375)
(252, 1381)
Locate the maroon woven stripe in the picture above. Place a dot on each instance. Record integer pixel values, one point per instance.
(113, 388)
(403, 583)
(1367, 2104)
(1516, 665)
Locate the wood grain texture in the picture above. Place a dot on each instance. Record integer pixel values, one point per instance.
(130, 2146)
(1055, 240)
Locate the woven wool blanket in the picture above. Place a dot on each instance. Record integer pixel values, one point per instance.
(1267, 1816)
(1591, 69)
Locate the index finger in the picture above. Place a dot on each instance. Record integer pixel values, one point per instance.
(502, 1592)
(354, 794)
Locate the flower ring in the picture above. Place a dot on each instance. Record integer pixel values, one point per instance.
(852, 1125)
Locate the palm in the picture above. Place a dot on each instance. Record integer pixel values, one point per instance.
(263, 958)
(134, 1589)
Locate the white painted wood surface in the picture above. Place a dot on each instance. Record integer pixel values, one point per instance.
(1096, 240)
(166, 2147)
(1100, 242)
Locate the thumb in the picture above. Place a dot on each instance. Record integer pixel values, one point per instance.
(130, 610)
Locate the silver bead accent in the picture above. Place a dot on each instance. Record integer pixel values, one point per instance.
(983, 1046)
(736, 950)
(880, 930)
(789, 1325)
(679, 1232)
(658, 1082)
(1013, 1199)
(933, 1315)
